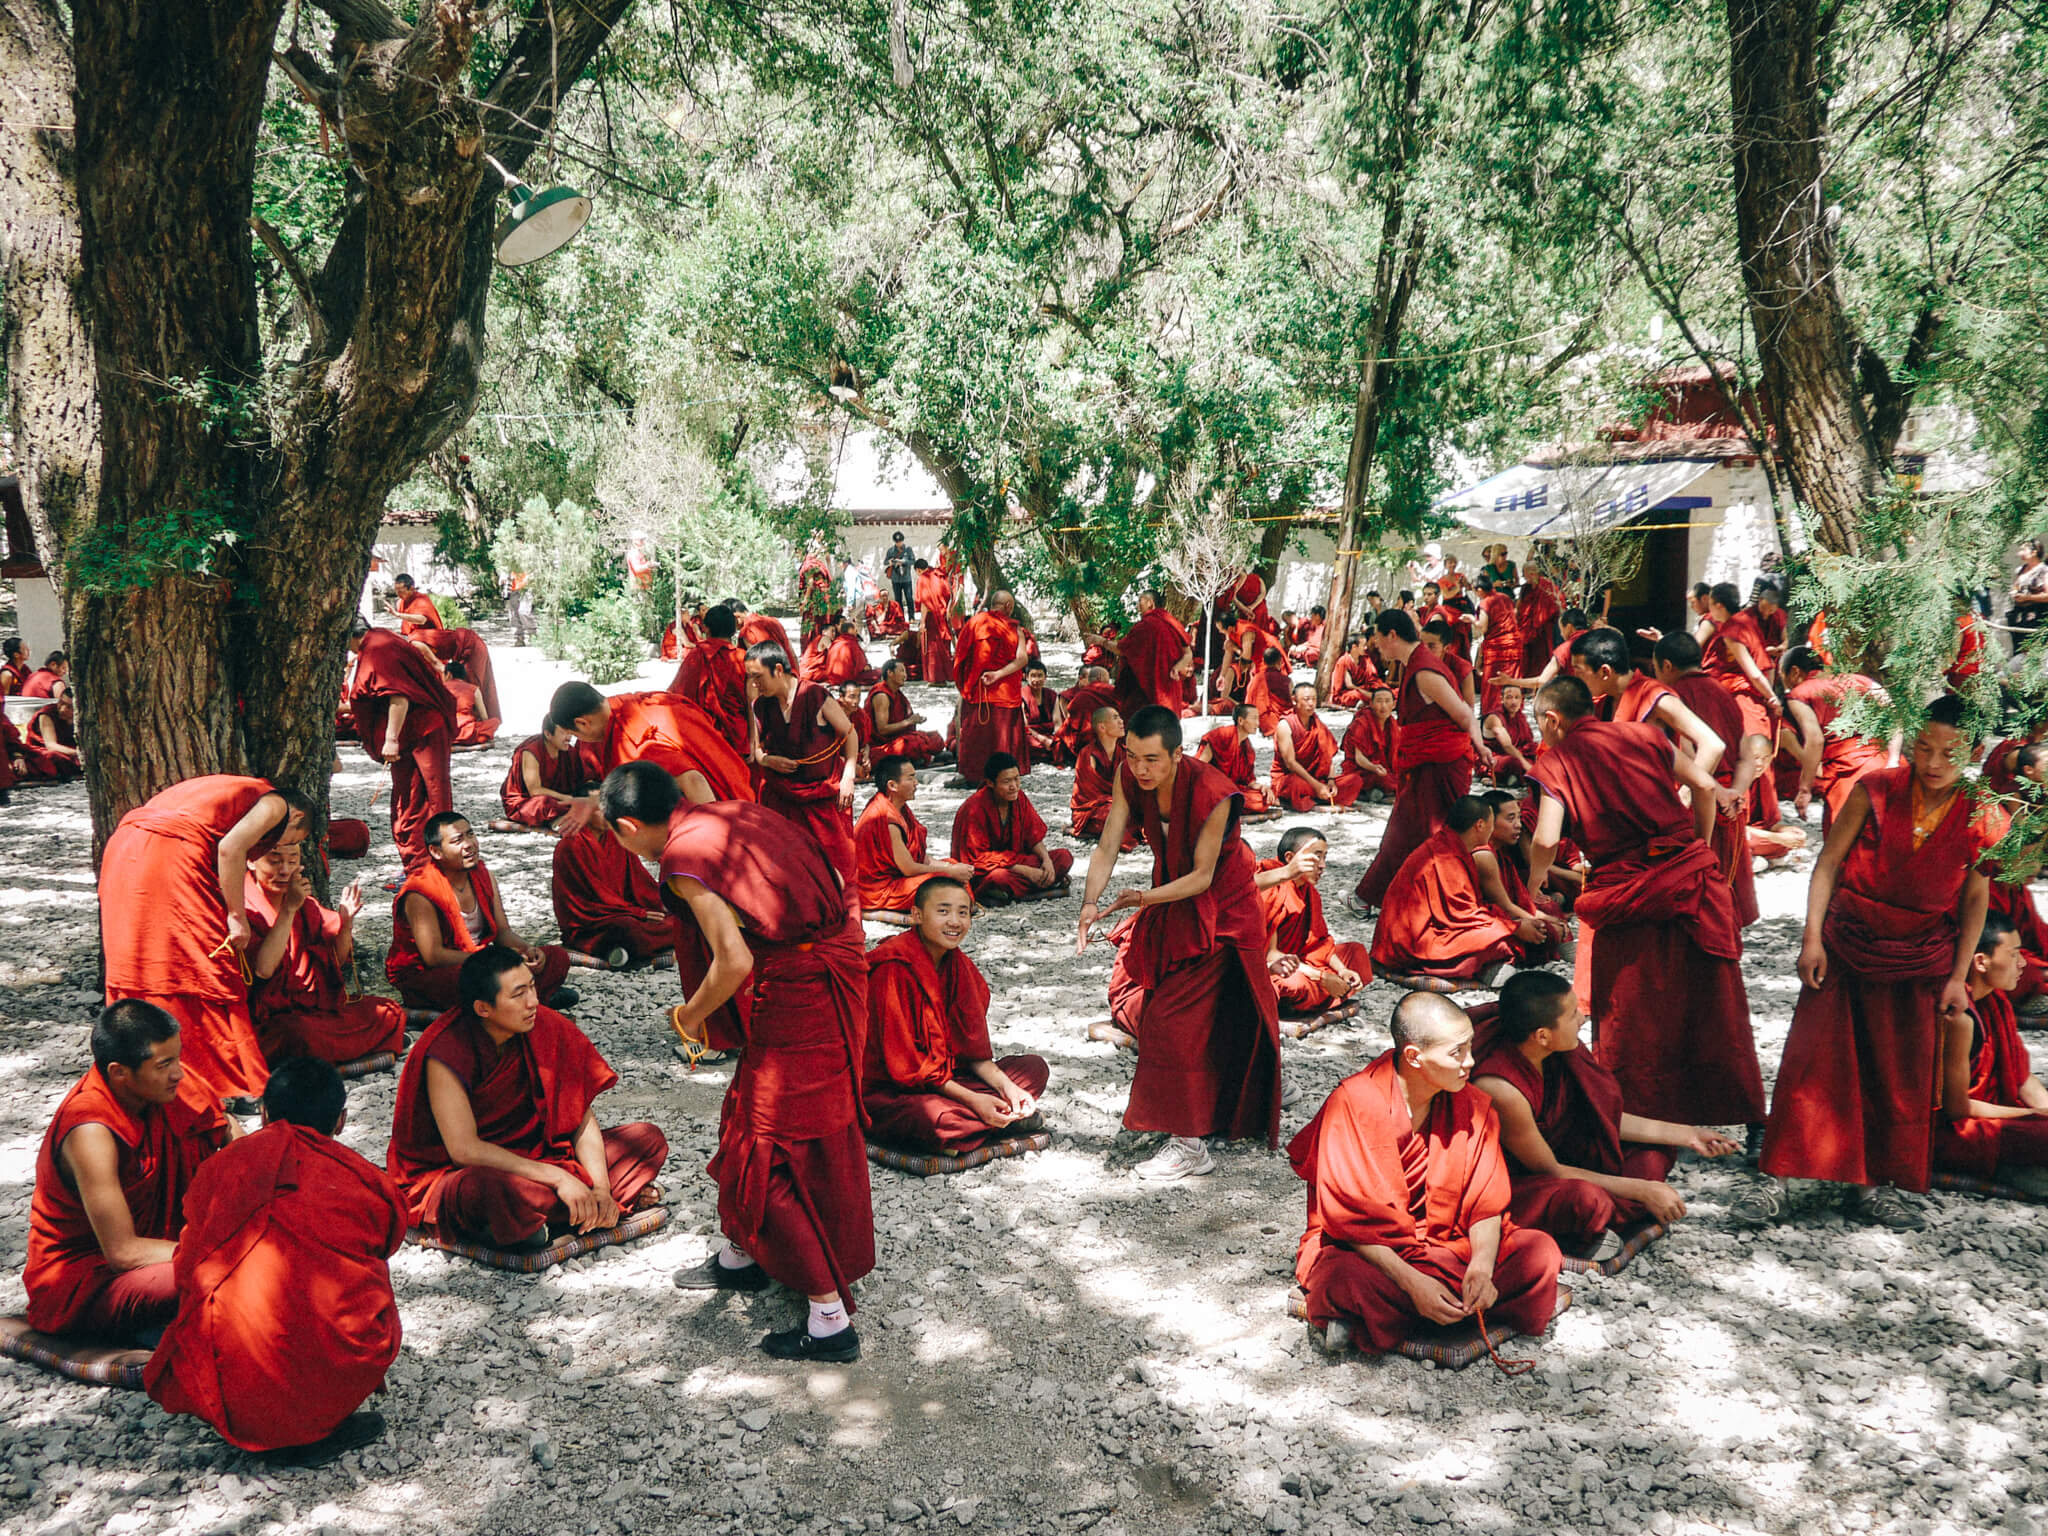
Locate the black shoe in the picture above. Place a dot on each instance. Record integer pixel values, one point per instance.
(714, 1276)
(242, 1106)
(799, 1343)
(1753, 1145)
(564, 998)
(995, 898)
(352, 1434)
(532, 1243)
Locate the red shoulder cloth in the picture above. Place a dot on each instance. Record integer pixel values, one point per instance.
(923, 1017)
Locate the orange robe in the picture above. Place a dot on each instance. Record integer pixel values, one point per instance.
(713, 676)
(883, 887)
(676, 735)
(303, 1008)
(468, 648)
(389, 668)
(1295, 926)
(434, 986)
(991, 717)
(998, 848)
(760, 629)
(846, 662)
(1237, 760)
(473, 728)
(1267, 692)
(605, 898)
(1436, 921)
(1352, 679)
(417, 613)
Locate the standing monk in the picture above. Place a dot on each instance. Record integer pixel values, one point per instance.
(1500, 648)
(301, 959)
(1190, 979)
(1678, 669)
(990, 670)
(772, 966)
(414, 610)
(808, 753)
(1736, 656)
(713, 676)
(660, 728)
(1153, 656)
(1892, 920)
(173, 925)
(405, 717)
(935, 610)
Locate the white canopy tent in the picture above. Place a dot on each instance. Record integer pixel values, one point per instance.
(1537, 501)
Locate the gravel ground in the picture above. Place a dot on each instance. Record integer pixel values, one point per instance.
(1048, 1346)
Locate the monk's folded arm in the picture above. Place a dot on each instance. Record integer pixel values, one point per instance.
(456, 1121)
(1492, 887)
(589, 1146)
(93, 1159)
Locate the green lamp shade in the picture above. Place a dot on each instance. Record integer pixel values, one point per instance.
(539, 224)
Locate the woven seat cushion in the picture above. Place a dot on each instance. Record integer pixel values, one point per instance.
(1425, 983)
(1307, 1024)
(1453, 1348)
(926, 1164)
(363, 1066)
(569, 1246)
(101, 1365)
(1973, 1184)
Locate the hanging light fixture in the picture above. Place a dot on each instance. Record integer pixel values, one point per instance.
(540, 223)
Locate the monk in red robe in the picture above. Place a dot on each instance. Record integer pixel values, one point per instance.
(2002, 763)
(286, 1320)
(1305, 772)
(713, 676)
(1437, 921)
(672, 733)
(606, 903)
(1736, 657)
(466, 649)
(404, 717)
(847, 662)
(895, 723)
(1665, 972)
(1503, 882)
(1538, 608)
(1581, 1165)
(1831, 759)
(998, 833)
(1439, 742)
(49, 745)
(931, 1082)
(1042, 713)
(990, 669)
(495, 1137)
(111, 1177)
(52, 680)
(12, 765)
(173, 925)
(1306, 646)
(1244, 602)
(890, 845)
(447, 910)
(414, 610)
(301, 959)
(2013, 901)
(1312, 971)
(14, 667)
(849, 700)
(1189, 982)
(756, 628)
(1507, 731)
(1893, 916)
(935, 617)
(1230, 750)
(772, 965)
(549, 774)
(1154, 657)
(1678, 662)
(1994, 1112)
(1354, 676)
(1095, 779)
(1408, 1192)
(1370, 749)
(1080, 703)
(1269, 689)
(1500, 645)
(808, 754)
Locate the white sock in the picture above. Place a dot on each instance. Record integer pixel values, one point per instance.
(828, 1318)
(733, 1257)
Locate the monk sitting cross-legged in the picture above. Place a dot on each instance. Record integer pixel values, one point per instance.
(606, 903)
(494, 1138)
(286, 1321)
(1369, 750)
(1312, 972)
(931, 1083)
(1436, 920)
(447, 910)
(1408, 1193)
(301, 962)
(1502, 882)
(1230, 750)
(998, 832)
(549, 774)
(49, 744)
(111, 1178)
(1042, 713)
(889, 844)
(1507, 728)
(895, 723)
(1994, 1111)
(1354, 677)
(1581, 1164)
(1305, 771)
(1095, 774)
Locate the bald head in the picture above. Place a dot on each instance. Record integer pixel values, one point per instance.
(1425, 1019)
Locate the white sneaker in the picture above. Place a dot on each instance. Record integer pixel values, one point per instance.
(1178, 1159)
(1289, 1092)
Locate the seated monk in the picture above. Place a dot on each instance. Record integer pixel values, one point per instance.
(606, 903)
(847, 662)
(1095, 774)
(889, 845)
(848, 695)
(1994, 1112)
(1354, 677)
(1369, 755)
(1079, 704)
(1436, 921)
(286, 1321)
(1580, 1164)
(1408, 1197)
(494, 1138)
(301, 959)
(1041, 712)
(448, 909)
(49, 744)
(1305, 757)
(549, 773)
(1225, 685)
(930, 1083)
(1311, 971)
(895, 723)
(1507, 732)
(111, 1178)
(473, 728)
(999, 832)
(1229, 749)
(1504, 881)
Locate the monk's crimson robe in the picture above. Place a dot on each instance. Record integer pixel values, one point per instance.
(605, 899)
(1375, 1180)
(1041, 706)
(998, 846)
(2001, 764)
(71, 1287)
(2015, 903)
(1436, 921)
(1578, 1106)
(846, 662)
(1268, 693)
(1638, 701)
(1759, 711)
(926, 1019)
(435, 986)
(1500, 653)
(1536, 609)
(791, 1164)
(1352, 680)
(1232, 756)
(991, 717)
(1094, 782)
(1246, 599)
(1315, 748)
(1078, 729)
(1861, 1071)
(416, 614)
(303, 1008)
(1146, 656)
(1434, 769)
(885, 619)
(808, 796)
(1665, 976)
(473, 728)
(164, 925)
(885, 706)
(10, 752)
(40, 764)
(810, 667)
(1190, 979)
(1293, 911)
(1771, 626)
(1998, 1066)
(41, 684)
(713, 676)
(467, 649)
(286, 1322)
(1378, 740)
(568, 773)
(12, 676)
(935, 619)
(883, 887)
(389, 668)
(528, 1096)
(760, 629)
(1971, 645)
(1844, 757)
(1719, 713)
(676, 736)
(1308, 649)
(1516, 724)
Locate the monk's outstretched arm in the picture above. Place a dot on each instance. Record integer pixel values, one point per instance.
(93, 1158)
(1820, 889)
(1102, 862)
(1669, 1133)
(456, 1121)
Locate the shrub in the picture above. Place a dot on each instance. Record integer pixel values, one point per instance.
(607, 644)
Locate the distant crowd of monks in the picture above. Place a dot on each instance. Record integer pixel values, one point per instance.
(1572, 794)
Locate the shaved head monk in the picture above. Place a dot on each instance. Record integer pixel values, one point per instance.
(1439, 742)
(111, 1179)
(1095, 771)
(286, 1322)
(1601, 659)
(49, 744)
(989, 665)
(1354, 676)
(447, 910)
(1082, 701)
(1370, 749)
(890, 845)
(660, 728)
(1408, 1198)
(1437, 920)
(404, 717)
(1230, 750)
(1994, 1111)
(895, 724)
(1305, 767)
(1506, 726)
(1893, 916)
(174, 926)
(495, 1137)
(1042, 712)
(301, 962)
(773, 966)
(606, 903)
(550, 772)
(931, 1082)
(807, 753)
(1154, 656)
(999, 834)
(1312, 972)
(1190, 980)
(1580, 1163)
(1665, 969)
(713, 676)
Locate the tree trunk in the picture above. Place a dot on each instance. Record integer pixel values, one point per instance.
(1805, 345)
